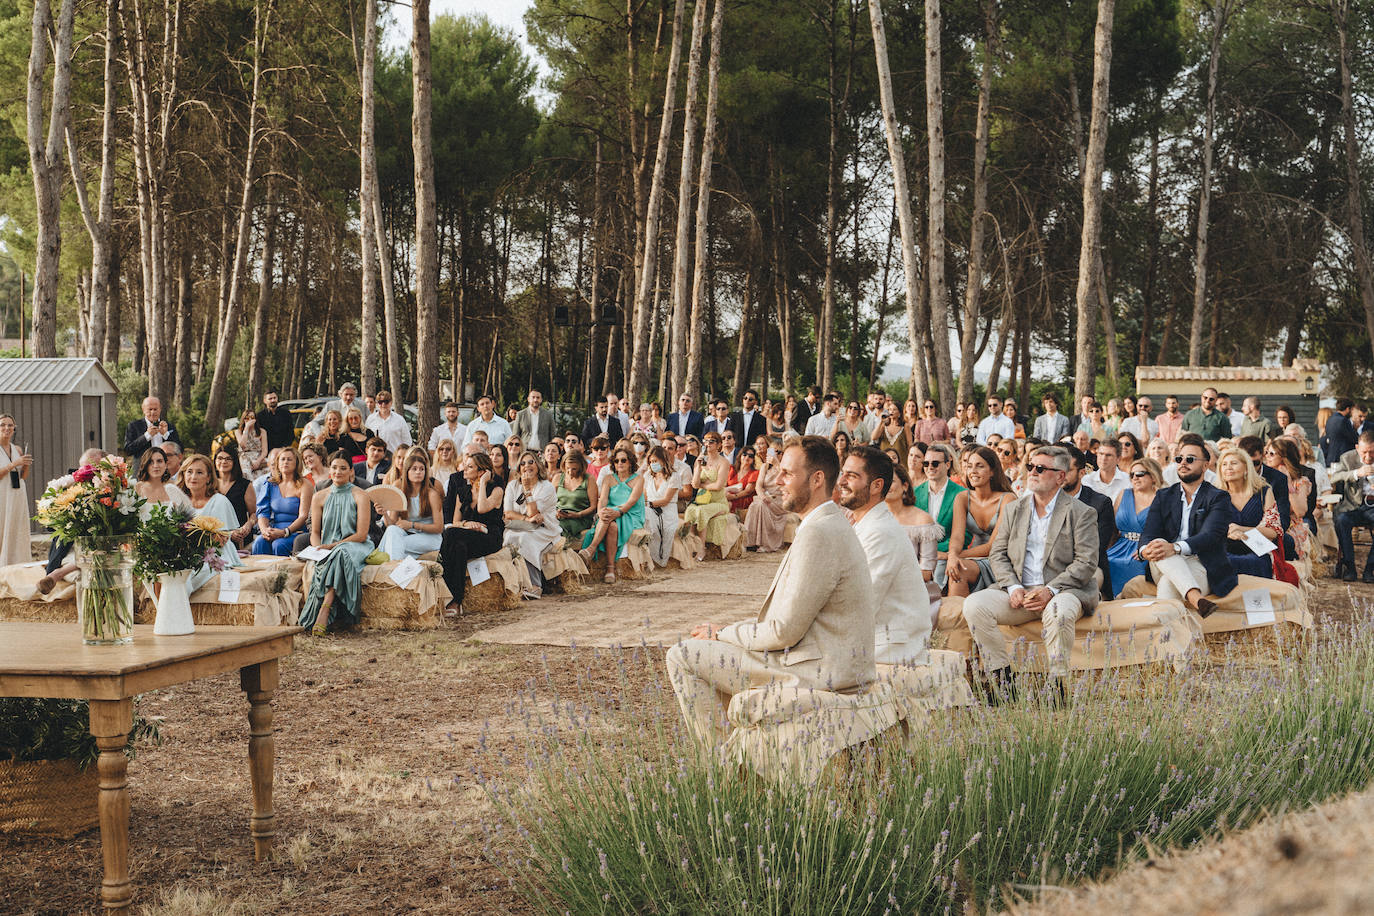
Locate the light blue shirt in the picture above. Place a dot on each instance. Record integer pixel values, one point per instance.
(497, 429)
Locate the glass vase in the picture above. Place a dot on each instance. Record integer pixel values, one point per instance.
(105, 590)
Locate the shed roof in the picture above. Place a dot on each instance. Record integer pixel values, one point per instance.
(62, 375)
(1294, 373)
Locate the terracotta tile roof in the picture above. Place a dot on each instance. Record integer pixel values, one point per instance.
(1292, 373)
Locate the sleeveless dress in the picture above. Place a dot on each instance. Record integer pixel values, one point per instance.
(700, 514)
(1121, 560)
(1242, 558)
(926, 540)
(250, 453)
(342, 570)
(631, 521)
(280, 511)
(574, 500)
(977, 537)
(14, 515)
(399, 543)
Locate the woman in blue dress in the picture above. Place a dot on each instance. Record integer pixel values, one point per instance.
(621, 511)
(339, 519)
(1132, 507)
(1255, 508)
(283, 506)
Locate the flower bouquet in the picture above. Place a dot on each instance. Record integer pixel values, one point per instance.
(96, 509)
(171, 544)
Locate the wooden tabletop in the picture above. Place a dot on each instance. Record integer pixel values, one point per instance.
(49, 659)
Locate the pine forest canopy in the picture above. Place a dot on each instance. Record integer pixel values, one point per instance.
(227, 234)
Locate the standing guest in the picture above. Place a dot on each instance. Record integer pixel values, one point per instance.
(968, 429)
(534, 424)
(198, 483)
(823, 423)
(1170, 423)
(620, 513)
(476, 527)
(252, 443)
(686, 421)
(976, 515)
(1140, 425)
(1184, 538)
(1128, 407)
(1284, 416)
(748, 423)
(154, 484)
(922, 531)
(577, 497)
(995, 422)
(332, 436)
(930, 428)
(1255, 422)
(230, 483)
(660, 424)
(1253, 502)
(445, 462)
(766, 519)
(806, 408)
(419, 528)
(348, 397)
(284, 506)
(744, 476)
(1130, 449)
(1093, 425)
(391, 427)
(1205, 420)
(935, 495)
(1234, 417)
(660, 516)
(340, 523)
(901, 613)
(1018, 424)
(1107, 479)
(1043, 560)
(531, 518)
(957, 421)
(276, 421)
(1131, 509)
(892, 433)
(1084, 415)
(14, 497)
(1358, 417)
(815, 632)
(853, 425)
(710, 476)
(1099, 503)
(450, 429)
(601, 425)
(486, 421)
(620, 409)
(1112, 418)
(372, 470)
(149, 431)
(1340, 434)
(719, 421)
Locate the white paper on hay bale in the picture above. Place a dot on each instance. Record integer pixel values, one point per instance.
(418, 604)
(265, 598)
(789, 734)
(1289, 603)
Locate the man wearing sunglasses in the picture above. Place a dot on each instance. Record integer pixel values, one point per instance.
(1184, 537)
(1141, 425)
(1205, 420)
(936, 494)
(1044, 559)
(996, 422)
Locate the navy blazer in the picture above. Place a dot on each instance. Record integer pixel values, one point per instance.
(1340, 435)
(803, 412)
(591, 429)
(696, 423)
(1212, 514)
(136, 443)
(758, 427)
(360, 473)
(1107, 534)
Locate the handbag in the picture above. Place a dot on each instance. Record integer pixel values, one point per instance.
(702, 498)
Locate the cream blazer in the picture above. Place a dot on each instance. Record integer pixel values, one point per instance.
(901, 603)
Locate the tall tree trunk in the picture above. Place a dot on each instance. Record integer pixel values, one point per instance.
(389, 306)
(692, 379)
(369, 225)
(677, 346)
(911, 270)
(228, 331)
(935, 133)
(974, 290)
(1364, 271)
(825, 330)
(256, 368)
(186, 318)
(426, 237)
(644, 296)
(45, 161)
(1147, 295)
(112, 314)
(1220, 12)
(1085, 365)
(1108, 323)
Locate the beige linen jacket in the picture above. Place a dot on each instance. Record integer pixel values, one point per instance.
(819, 611)
(1070, 547)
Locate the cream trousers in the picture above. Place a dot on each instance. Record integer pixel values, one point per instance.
(706, 674)
(985, 609)
(1177, 575)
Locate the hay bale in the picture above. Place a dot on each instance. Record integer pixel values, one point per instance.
(1265, 644)
(384, 605)
(684, 552)
(38, 611)
(206, 614)
(563, 569)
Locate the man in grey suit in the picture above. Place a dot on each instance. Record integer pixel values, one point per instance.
(1043, 559)
(534, 425)
(814, 632)
(1051, 426)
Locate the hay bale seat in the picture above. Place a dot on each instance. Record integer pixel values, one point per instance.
(683, 554)
(384, 605)
(563, 569)
(1228, 625)
(501, 592)
(19, 598)
(270, 595)
(634, 562)
(1119, 633)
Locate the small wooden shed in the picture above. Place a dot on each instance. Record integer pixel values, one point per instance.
(1297, 386)
(61, 407)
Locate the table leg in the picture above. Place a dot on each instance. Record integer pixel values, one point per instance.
(110, 724)
(260, 683)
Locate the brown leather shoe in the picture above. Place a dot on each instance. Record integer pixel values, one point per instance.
(46, 584)
(1206, 607)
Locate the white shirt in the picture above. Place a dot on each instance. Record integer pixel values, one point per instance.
(1000, 424)
(1093, 481)
(1033, 569)
(155, 439)
(1185, 525)
(682, 419)
(393, 430)
(748, 416)
(1132, 425)
(901, 613)
(458, 433)
(821, 425)
(532, 441)
(624, 419)
(497, 429)
(1236, 418)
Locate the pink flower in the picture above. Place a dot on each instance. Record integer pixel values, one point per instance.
(84, 473)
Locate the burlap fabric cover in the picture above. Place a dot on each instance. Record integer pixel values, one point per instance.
(684, 551)
(727, 534)
(560, 560)
(1289, 604)
(19, 598)
(1124, 632)
(418, 606)
(788, 734)
(270, 595)
(789, 527)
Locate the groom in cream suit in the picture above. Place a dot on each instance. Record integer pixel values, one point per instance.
(1043, 560)
(815, 629)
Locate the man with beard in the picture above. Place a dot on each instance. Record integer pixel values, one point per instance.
(1184, 537)
(815, 629)
(901, 613)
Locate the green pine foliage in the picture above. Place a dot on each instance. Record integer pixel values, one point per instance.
(49, 729)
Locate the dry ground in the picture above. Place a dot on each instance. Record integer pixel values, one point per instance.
(378, 735)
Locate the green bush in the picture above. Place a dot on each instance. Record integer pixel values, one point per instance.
(976, 807)
(41, 729)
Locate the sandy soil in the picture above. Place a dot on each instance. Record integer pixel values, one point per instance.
(378, 735)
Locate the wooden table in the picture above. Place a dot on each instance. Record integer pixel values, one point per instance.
(48, 660)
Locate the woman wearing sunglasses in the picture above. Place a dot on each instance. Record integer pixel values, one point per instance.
(621, 511)
(1132, 508)
(531, 516)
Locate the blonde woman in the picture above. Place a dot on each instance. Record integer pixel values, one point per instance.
(252, 445)
(198, 477)
(1256, 510)
(710, 476)
(445, 463)
(531, 517)
(283, 506)
(1144, 478)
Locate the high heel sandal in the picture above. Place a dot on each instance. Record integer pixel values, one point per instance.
(609, 578)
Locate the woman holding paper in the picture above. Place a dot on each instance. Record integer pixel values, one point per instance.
(198, 477)
(420, 528)
(1256, 515)
(339, 518)
(531, 517)
(476, 528)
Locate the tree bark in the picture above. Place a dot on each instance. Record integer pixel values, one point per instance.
(186, 318)
(825, 332)
(644, 296)
(426, 236)
(974, 290)
(258, 356)
(692, 379)
(935, 133)
(677, 346)
(1220, 12)
(370, 226)
(1085, 364)
(1364, 271)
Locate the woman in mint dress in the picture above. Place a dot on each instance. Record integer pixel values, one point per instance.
(339, 517)
(621, 511)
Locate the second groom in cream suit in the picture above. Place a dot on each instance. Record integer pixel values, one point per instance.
(815, 629)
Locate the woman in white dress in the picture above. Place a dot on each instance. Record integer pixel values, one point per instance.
(197, 475)
(153, 486)
(531, 516)
(420, 528)
(660, 515)
(14, 497)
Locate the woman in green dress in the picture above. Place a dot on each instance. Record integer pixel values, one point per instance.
(621, 510)
(339, 518)
(577, 496)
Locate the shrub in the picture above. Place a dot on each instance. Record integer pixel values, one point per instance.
(37, 729)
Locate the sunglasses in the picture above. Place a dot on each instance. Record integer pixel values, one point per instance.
(384, 401)
(1040, 468)
(931, 464)
(622, 461)
(929, 406)
(1138, 474)
(1186, 459)
(1005, 454)
(1208, 400)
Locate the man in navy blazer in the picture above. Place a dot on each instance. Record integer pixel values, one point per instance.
(685, 421)
(1340, 433)
(1187, 551)
(148, 431)
(748, 423)
(603, 423)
